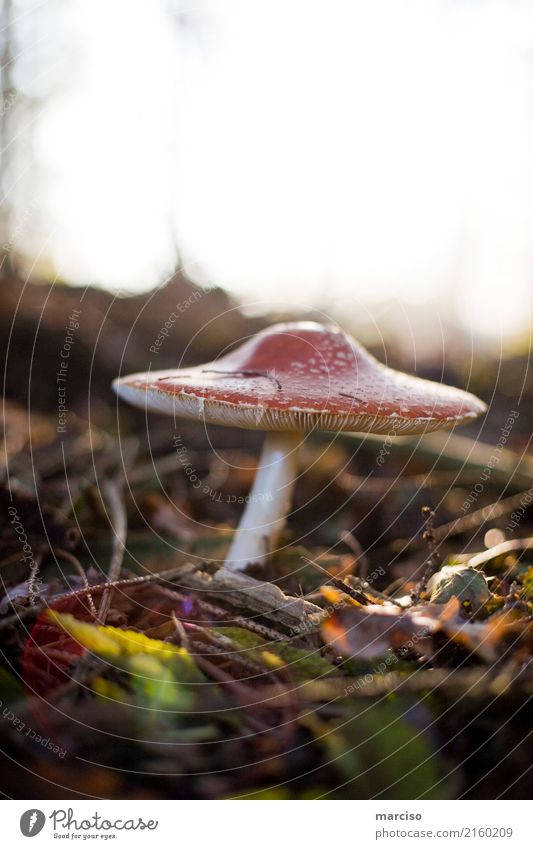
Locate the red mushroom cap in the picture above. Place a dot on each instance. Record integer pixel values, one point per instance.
(299, 376)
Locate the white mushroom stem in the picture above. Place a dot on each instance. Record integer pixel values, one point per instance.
(268, 502)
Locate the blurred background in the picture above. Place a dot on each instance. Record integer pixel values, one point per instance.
(374, 160)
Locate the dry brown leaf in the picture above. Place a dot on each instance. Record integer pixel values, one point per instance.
(368, 632)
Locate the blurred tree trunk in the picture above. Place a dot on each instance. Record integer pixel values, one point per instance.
(8, 99)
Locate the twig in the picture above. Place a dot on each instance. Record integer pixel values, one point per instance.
(27, 612)
(352, 484)
(478, 683)
(113, 495)
(246, 697)
(432, 561)
(256, 597)
(32, 577)
(476, 519)
(460, 452)
(181, 632)
(345, 588)
(66, 555)
(160, 467)
(245, 373)
(395, 585)
(11, 558)
(503, 548)
(354, 398)
(236, 589)
(24, 613)
(356, 548)
(492, 511)
(224, 615)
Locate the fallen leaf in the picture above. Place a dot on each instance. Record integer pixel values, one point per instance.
(467, 584)
(367, 632)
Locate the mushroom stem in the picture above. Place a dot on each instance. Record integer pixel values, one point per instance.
(268, 502)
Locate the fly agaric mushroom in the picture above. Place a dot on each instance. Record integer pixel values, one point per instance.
(288, 380)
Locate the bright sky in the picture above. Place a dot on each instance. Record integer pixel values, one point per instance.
(292, 147)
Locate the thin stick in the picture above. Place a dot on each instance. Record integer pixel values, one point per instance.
(27, 612)
(345, 588)
(11, 558)
(32, 578)
(112, 492)
(246, 373)
(226, 616)
(246, 697)
(432, 561)
(495, 510)
(356, 548)
(66, 555)
(483, 557)
(492, 511)
(180, 631)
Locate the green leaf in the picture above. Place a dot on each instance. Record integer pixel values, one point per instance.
(467, 584)
(10, 687)
(161, 673)
(379, 752)
(302, 664)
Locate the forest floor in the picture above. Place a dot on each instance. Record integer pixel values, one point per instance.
(383, 652)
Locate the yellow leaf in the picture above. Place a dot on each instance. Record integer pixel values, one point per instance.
(272, 660)
(108, 689)
(111, 642)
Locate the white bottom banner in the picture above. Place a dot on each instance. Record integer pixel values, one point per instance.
(231, 824)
